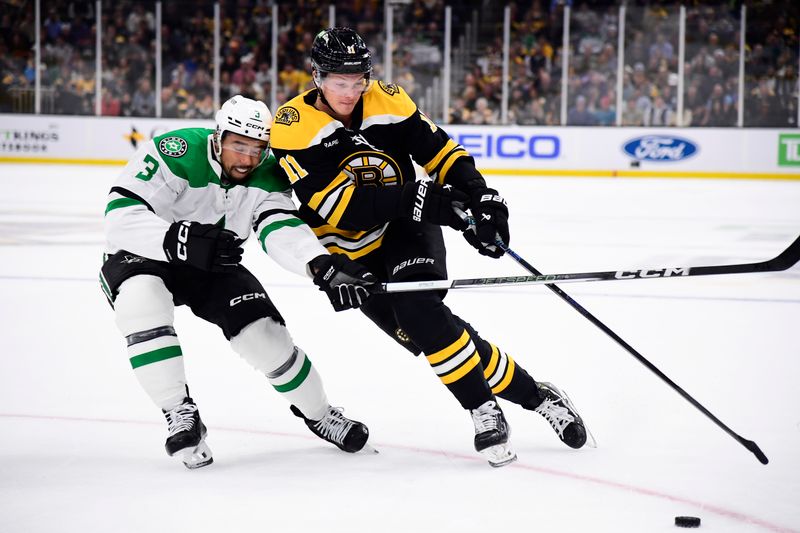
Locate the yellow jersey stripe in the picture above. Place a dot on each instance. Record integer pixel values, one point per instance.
(444, 353)
(354, 254)
(500, 387)
(461, 371)
(336, 216)
(433, 163)
(449, 163)
(319, 196)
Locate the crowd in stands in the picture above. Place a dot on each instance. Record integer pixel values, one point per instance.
(650, 75)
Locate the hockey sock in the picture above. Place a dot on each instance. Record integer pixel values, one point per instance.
(459, 367)
(269, 348)
(157, 362)
(447, 345)
(506, 378)
(298, 381)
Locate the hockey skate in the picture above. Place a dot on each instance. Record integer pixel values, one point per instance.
(348, 435)
(187, 435)
(492, 434)
(558, 410)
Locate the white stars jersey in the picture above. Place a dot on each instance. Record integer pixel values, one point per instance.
(176, 177)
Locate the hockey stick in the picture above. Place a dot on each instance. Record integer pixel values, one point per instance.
(750, 445)
(783, 261)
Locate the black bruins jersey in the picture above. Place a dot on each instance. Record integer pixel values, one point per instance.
(348, 180)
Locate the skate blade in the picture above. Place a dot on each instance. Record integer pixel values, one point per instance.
(499, 455)
(196, 457)
(367, 449)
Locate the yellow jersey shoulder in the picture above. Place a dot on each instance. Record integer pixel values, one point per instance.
(387, 102)
(297, 125)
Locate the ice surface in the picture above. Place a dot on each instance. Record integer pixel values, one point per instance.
(81, 447)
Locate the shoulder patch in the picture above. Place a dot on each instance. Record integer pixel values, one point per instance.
(389, 88)
(286, 115)
(173, 146)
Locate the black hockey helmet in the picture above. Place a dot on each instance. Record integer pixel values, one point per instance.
(340, 51)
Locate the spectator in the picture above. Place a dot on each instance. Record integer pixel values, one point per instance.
(632, 115)
(143, 101)
(579, 116)
(606, 115)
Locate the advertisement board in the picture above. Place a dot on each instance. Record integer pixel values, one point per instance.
(501, 150)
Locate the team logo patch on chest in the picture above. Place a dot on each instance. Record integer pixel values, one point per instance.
(287, 115)
(372, 169)
(173, 146)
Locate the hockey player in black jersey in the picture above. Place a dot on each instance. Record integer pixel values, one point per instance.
(346, 147)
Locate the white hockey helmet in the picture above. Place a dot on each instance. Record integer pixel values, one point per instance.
(243, 116)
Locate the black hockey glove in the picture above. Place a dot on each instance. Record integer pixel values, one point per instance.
(204, 246)
(346, 283)
(491, 221)
(430, 202)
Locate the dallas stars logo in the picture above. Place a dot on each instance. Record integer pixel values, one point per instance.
(172, 146)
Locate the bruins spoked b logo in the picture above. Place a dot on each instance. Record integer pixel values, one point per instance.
(172, 146)
(370, 168)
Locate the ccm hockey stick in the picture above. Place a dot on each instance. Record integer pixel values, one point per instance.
(786, 259)
(750, 445)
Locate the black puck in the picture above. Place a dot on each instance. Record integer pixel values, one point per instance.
(687, 521)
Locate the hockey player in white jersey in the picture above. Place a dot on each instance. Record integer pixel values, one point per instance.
(175, 221)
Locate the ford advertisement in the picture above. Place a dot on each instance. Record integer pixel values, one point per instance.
(660, 148)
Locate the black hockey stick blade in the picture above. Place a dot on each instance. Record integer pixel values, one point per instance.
(750, 445)
(753, 447)
(786, 259)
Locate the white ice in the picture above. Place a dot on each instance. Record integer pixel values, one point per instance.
(81, 446)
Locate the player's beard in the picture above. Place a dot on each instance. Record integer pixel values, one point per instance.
(239, 172)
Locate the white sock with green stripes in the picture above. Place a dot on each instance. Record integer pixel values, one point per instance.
(269, 348)
(158, 365)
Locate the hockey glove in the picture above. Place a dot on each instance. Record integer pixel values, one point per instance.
(204, 246)
(491, 222)
(346, 283)
(430, 202)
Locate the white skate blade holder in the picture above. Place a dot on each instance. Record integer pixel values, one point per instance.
(499, 454)
(196, 457)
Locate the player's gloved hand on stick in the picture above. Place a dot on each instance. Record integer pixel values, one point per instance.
(491, 221)
(430, 202)
(204, 246)
(346, 283)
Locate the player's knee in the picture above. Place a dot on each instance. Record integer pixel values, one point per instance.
(265, 344)
(417, 311)
(143, 303)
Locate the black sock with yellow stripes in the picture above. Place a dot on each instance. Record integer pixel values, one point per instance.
(506, 378)
(447, 345)
(459, 367)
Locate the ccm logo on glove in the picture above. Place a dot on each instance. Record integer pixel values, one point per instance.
(183, 238)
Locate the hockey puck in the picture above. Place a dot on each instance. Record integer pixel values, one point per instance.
(687, 521)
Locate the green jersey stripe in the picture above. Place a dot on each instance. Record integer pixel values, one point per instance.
(121, 202)
(269, 228)
(298, 379)
(155, 356)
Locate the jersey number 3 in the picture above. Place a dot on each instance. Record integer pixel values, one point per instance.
(150, 167)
